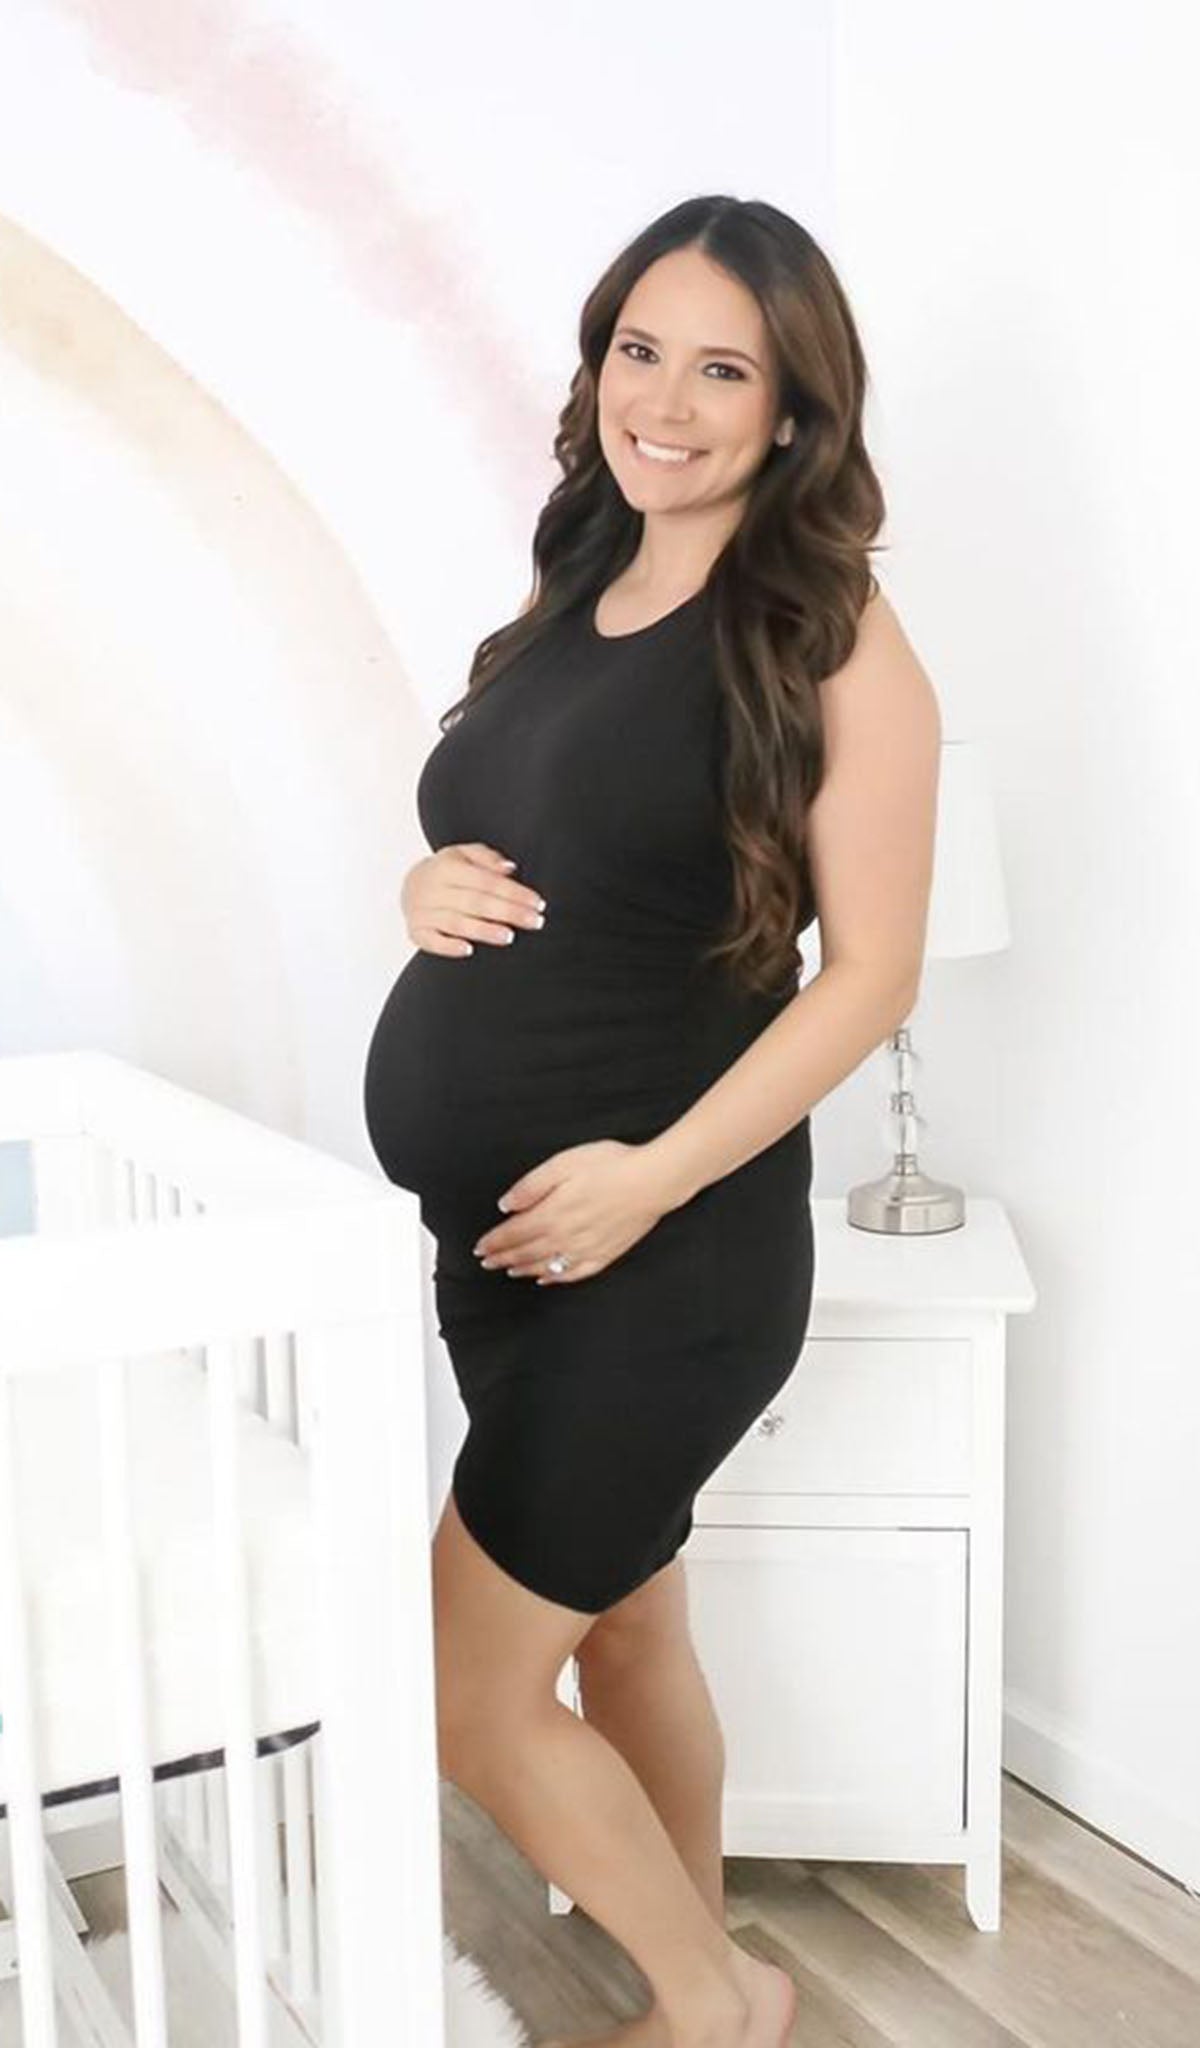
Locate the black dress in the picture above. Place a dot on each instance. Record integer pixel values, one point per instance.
(598, 1407)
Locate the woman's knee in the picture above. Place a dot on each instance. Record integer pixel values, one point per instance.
(499, 1647)
(650, 1622)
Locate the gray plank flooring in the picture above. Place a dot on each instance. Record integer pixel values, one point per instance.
(1096, 1950)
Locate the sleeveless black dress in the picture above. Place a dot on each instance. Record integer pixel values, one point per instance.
(597, 1407)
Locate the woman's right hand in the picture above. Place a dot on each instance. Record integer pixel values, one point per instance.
(462, 893)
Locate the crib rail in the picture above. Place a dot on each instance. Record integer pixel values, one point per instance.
(168, 1223)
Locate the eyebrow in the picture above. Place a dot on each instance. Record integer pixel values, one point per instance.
(707, 350)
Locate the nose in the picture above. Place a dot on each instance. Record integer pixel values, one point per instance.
(672, 427)
(672, 389)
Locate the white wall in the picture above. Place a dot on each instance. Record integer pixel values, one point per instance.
(1016, 204)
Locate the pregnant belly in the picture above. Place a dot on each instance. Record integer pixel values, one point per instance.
(482, 1064)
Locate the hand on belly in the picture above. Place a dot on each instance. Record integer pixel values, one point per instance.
(585, 1205)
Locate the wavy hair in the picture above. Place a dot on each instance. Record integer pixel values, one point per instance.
(787, 588)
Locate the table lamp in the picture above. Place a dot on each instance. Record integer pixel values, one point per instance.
(968, 915)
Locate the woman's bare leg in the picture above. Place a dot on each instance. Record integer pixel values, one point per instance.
(643, 1687)
(571, 1803)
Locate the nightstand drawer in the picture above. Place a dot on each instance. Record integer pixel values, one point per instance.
(862, 1415)
(837, 1661)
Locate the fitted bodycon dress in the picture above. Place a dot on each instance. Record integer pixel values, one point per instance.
(597, 1407)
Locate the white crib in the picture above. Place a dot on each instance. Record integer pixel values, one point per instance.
(216, 1644)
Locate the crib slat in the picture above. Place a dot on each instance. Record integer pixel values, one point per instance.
(247, 1373)
(98, 1174)
(22, 1792)
(297, 1837)
(266, 1786)
(127, 1664)
(237, 1676)
(58, 1162)
(279, 1407)
(377, 1789)
(195, 1818)
(191, 1205)
(111, 1183)
(214, 1827)
(302, 1383)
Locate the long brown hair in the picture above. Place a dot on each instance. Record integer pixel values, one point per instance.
(788, 587)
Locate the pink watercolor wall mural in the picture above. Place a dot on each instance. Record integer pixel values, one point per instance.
(194, 674)
(260, 92)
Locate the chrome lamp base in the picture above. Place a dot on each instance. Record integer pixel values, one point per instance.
(905, 1202)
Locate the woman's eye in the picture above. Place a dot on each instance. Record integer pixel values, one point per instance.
(624, 346)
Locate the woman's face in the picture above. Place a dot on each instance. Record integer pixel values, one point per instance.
(688, 367)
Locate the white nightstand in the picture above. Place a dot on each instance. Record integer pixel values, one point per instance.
(845, 1571)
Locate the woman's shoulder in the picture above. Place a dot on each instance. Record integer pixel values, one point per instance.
(880, 710)
(883, 665)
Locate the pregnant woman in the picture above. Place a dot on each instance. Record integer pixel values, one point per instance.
(596, 1071)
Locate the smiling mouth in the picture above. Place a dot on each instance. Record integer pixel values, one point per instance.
(677, 459)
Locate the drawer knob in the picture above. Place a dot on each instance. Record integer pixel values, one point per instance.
(769, 1422)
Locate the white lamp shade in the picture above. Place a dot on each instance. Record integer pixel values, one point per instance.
(968, 907)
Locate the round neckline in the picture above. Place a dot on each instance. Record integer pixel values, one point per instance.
(640, 632)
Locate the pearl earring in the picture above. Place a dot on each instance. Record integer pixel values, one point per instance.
(784, 438)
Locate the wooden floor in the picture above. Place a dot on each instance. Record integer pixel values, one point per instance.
(1095, 1950)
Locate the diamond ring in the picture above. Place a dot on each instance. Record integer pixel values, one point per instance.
(558, 1264)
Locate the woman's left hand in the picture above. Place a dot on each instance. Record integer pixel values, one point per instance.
(589, 1203)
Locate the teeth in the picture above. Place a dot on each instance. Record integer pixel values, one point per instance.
(661, 454)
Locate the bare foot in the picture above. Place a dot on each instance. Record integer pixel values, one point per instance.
(770, 1997)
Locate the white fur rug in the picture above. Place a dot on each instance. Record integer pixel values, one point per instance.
(476, 2016)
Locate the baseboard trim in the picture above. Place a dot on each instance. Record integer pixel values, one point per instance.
(1047, 1754)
